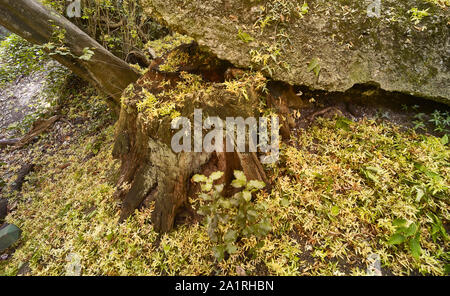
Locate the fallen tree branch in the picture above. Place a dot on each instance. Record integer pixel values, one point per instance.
(38, 127)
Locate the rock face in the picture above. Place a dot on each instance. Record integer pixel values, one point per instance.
(328, 45)
(3, 33)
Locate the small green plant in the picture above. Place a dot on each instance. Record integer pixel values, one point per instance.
(437, 228)
(245, 36)
(409, 234)
(441, 120)
(230, 219)
(419, 122)
(303, 10)
(18, 57)
(417, 15)
(314, 66)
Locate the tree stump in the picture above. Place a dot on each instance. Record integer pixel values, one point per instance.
(175, 85)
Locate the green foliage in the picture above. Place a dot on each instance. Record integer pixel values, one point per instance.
(281, 12)
(245, 36)
(441, 120)
(18, 57)
(230, 219)
(417, 15)
(314, 66)
(437, 228)
(409, 235)
(120, 26)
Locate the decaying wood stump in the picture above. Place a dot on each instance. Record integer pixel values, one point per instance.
(175, 85)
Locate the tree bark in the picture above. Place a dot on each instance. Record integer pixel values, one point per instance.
(36, 23)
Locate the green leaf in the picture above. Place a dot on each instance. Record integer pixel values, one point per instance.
(255, 184)
(238, 183)
(265, 227)
(199, 178)
(247, 195)
(370, 176)
(231, 248)
(343, 123)
(285, 202)
(245, 36)
(399, 222)
(239, 175)
(396, 239)
(230, 236)
(414, 246)
(444, 139)
(87, 54)
(252, 213)
(216, 176)
(411, 230)
(313, 64)
(205, 196)
(206, 187)
(219, 252)
(219, 188)
(419, 194)
(225, 203)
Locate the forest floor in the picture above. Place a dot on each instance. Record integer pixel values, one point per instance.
(351, 176)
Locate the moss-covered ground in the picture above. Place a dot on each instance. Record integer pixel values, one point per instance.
(338, 188)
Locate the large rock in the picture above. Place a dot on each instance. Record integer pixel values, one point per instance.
(3, 33)
(336, 37)
(9, 234)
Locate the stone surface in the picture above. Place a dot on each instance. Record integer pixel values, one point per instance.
(336, 37)
(3, 33)
(8, 236)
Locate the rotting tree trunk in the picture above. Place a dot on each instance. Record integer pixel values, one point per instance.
(36, 23)
(151, 172)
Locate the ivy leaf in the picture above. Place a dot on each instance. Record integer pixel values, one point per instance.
(265, 227)
(199, 178)
(219, 188)
(247, 195)
(219, 252)
(216, 176)
(206, 187)
(87, 54)
(230, 236)
(255, 184)
(231, 248)
(396, 239)
(239, 175)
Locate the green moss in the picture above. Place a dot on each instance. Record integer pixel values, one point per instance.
(168, 43)
(327, 215)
